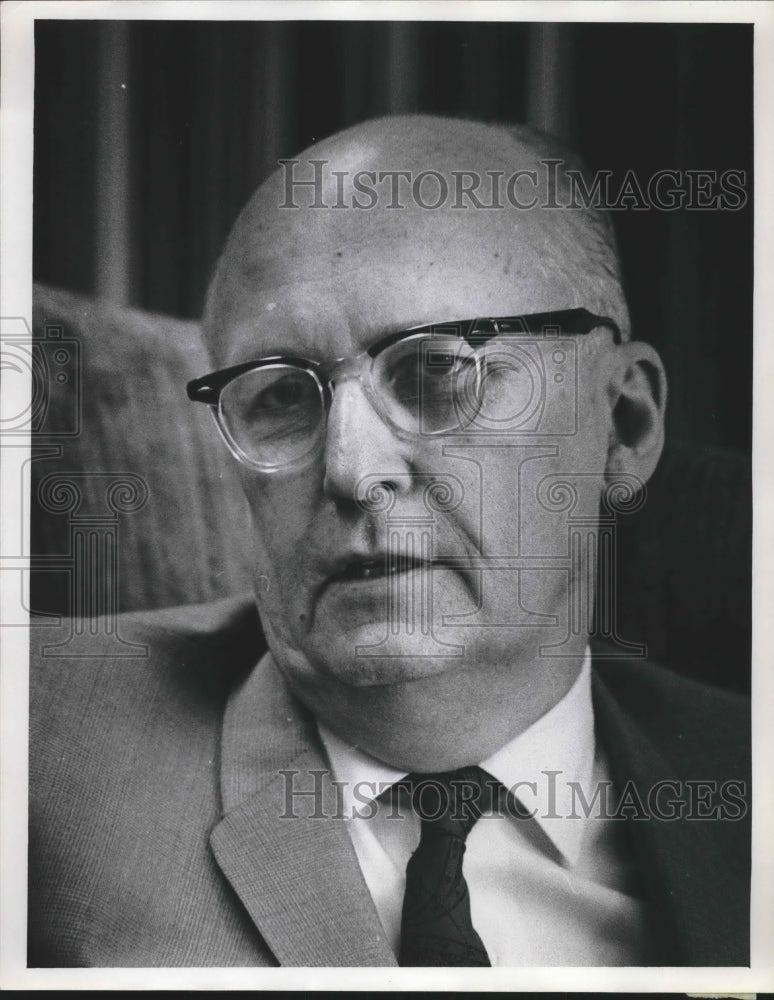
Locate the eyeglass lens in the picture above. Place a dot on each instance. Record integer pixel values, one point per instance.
(423, 385)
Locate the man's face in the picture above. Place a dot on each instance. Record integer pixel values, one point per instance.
(408, 665)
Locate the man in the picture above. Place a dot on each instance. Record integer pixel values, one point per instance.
(429, 393)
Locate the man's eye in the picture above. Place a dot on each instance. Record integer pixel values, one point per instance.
(427, 375)
(286, 392)
(441, 364)
(432, 364)
(448, 370)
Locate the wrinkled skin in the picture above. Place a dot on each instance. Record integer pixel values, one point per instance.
(325, 284)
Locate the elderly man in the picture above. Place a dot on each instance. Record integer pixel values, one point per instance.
(423, 368)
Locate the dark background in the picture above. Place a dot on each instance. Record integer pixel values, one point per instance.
(150, 136)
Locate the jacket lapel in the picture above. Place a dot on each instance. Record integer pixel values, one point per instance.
(689, 891)
(283, 844)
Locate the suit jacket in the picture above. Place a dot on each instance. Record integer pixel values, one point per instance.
(161, 832)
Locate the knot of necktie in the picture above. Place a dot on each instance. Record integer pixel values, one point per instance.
(451, 801)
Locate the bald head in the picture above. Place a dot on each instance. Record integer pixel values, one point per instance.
(381, 207)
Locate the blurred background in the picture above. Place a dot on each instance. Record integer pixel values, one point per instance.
(150, 136)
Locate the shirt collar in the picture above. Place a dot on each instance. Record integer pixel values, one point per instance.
(538, 764)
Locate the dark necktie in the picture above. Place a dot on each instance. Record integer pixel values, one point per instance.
(436, 929)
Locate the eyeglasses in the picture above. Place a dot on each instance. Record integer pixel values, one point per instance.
(440, 379)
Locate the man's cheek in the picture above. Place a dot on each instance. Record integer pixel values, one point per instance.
(283, 601)
(280, 523)
(283, 509)
(278, 565)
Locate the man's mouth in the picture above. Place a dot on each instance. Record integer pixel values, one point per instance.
(364, 581)
(389, 565)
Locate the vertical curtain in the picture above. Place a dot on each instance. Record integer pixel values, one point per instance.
(149, 136)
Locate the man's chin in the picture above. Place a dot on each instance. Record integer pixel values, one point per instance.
(372, 654)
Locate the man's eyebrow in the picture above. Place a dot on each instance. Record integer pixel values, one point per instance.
(260, 340)
(258, 352)
(280, 346)
(391, 329)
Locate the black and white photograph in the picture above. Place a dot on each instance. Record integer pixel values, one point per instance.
(377, 444)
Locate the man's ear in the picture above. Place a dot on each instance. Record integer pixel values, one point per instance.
(637, 393)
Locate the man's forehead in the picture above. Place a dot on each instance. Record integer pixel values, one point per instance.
(393, 250)
(387, 285)
(391, 180)
(317, 247)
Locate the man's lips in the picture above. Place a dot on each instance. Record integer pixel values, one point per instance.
(360, 576)
(356, 569)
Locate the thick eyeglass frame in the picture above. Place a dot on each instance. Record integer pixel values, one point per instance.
(475, 332)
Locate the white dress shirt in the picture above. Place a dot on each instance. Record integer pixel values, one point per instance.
(556, 889)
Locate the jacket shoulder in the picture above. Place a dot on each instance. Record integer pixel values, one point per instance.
(154, 642)
(125, 734)
(705, 727)
(170, 669)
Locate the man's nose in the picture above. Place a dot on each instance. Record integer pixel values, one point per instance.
(359, 444)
